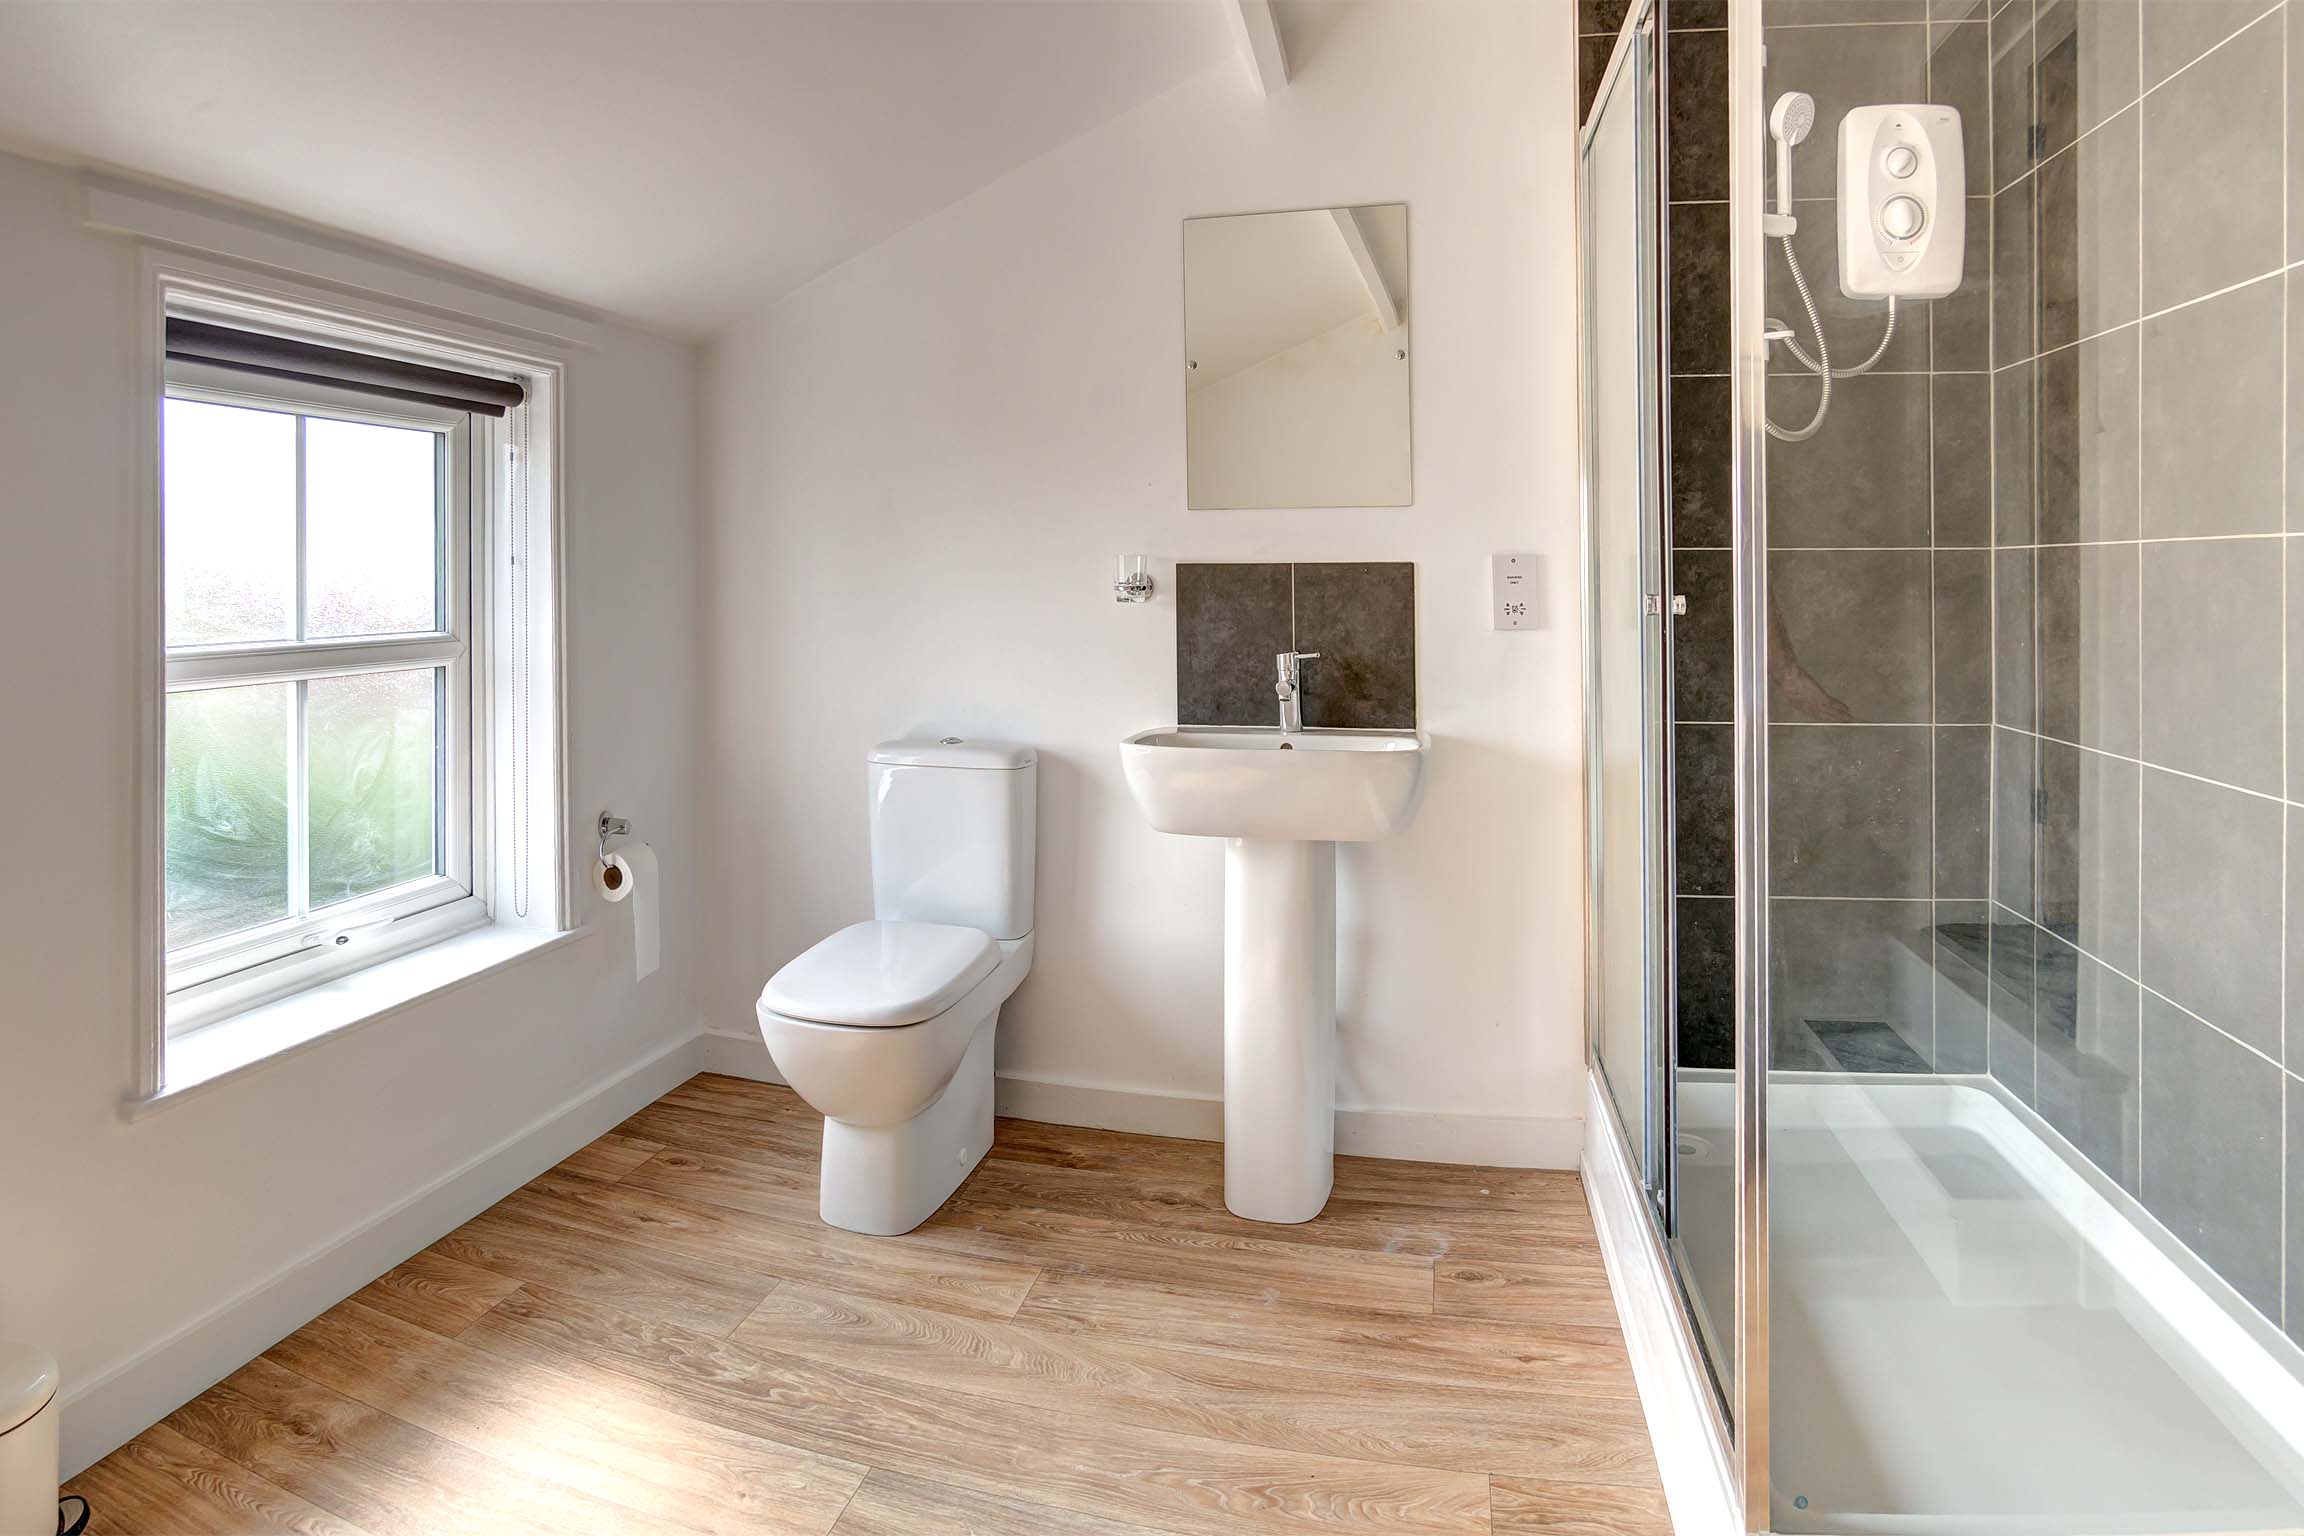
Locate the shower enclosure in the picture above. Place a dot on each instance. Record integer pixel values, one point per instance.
(1944, 782)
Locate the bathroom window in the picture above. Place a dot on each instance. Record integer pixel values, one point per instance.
(318, 619)
(353, 769)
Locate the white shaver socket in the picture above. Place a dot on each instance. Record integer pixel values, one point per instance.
(1903, 202)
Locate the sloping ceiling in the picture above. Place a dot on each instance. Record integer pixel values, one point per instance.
(676, 163)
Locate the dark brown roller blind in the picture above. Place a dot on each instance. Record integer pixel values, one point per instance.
(221, 346)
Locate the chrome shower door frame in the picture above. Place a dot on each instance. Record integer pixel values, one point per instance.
(1748, 576)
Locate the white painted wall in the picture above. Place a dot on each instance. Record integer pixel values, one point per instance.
(117, 1236)
(919, 468)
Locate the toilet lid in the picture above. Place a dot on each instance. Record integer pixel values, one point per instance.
(882, 974)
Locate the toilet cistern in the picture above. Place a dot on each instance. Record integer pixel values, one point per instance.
(1290, 688)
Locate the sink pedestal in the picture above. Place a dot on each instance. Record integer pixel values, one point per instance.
(1279, 1028)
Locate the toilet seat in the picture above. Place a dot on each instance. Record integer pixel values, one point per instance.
(882, 975)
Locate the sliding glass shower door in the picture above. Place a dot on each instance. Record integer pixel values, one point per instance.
(1624, 638)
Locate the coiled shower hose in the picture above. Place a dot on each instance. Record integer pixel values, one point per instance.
(1821, 363)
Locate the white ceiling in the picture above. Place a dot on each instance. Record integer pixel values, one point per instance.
(674, 162)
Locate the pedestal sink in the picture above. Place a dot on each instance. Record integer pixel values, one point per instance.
(1282, 803)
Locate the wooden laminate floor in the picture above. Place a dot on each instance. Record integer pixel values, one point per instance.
(658, 1336)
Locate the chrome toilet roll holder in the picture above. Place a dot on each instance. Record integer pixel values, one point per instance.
(611, 826)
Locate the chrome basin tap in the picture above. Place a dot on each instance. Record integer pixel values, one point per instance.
(1290, 687)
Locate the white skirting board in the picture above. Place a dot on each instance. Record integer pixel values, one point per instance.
(1495, 1141)
(114, 1406)
(1672, 1380)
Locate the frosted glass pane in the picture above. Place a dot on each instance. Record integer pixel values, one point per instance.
(228, 510)
(373, 742)
(371, 535)
(227, 809)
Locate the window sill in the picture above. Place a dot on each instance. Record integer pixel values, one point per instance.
(252, 1040)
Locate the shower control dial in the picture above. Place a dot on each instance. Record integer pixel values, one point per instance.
(1903, 206)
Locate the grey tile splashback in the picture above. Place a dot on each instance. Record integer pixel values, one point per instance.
(1361, 621)
(1232, 619)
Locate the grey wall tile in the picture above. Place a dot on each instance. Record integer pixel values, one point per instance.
(1603, 16)
(2295, 27)
(2211, 904)
(1829, 13)
(2212, 1149)
(2013, 1046)
(2014, 110)
(1962, 461)
(1962, 991)
(1852, 326)
(2295, 1087)
(1960, 323)
(2085, 66)
(1963, 636)
(2178, 31)
(1697, 114)
(2293, 1055)
(1852, 638)
(2089, 430)
(1702, 423)
(2212, 451)
(1705, 932)
(2293, 285)
(1703, 638)
(2013, 253)
(2212, 659)
(1843, 67)
(2013, 457)
(2088, 851)
(2088, 249)
(1849, 811)
(1863, 481)
(1850, 962)
(2015, 776)
(1704, 809)
(1964, 811)
(2213, 175)
(1592, 55)
(2294, 560)
(1230, 622)
(1960, 77)
(2015, 701)
(1360, 618)
(2088, 637)
(1699, 287)
(2090, 1058)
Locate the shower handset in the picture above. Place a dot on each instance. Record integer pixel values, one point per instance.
(1902, 222)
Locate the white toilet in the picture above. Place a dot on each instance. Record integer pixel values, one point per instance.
(886, 1026)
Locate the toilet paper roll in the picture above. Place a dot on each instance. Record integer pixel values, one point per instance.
(630, 876)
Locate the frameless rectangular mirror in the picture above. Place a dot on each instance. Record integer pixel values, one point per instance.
(1296, 359)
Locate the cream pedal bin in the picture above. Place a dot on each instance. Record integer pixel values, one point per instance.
(886, 1026)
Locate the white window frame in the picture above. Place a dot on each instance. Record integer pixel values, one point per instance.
(214, 977)
(519, 895)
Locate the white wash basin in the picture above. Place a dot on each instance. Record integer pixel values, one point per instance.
(1323, 786)
(1283, 802)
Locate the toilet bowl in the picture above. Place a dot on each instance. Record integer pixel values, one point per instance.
(886, 1027)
